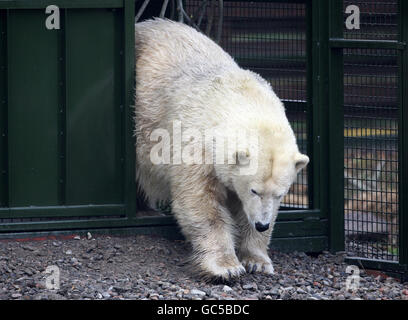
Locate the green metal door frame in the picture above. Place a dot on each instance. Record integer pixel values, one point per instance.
(335, 96)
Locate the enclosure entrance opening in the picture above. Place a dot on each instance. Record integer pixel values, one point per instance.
(273, 39)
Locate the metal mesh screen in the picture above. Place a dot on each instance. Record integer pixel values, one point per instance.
(378, 20)
(371, 153)
(270, 39)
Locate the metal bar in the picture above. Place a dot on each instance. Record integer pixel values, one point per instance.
(64, 224)
(273, 1)
(7, 88)
(283, 229)
(283, 215)
(366, 44)
(118, 209)
(312, 145)
(171, 232)
(403, 136)
(319, 104)
(4, 194)
(128, 102)
(42, 4)
(376, 264)
(119, 101)
(61, 211)
(336, 131)
(85, 224)
(62, 109)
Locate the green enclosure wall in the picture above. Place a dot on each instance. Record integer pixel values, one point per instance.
(66, 148)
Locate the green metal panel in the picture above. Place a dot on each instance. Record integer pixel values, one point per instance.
(300, 244)
(66, 126)
(32, 109)
(93, 108)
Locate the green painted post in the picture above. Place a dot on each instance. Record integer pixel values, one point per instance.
(328, 125)
(4, 195)
(62, 110)
(403, 135)
(313, 144)
(128, 99)
(336, 125)
(320, 101)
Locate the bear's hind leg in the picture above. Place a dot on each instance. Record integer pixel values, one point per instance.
(207, 224)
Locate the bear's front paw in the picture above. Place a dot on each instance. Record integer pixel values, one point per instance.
(255, 264)
(223, 271)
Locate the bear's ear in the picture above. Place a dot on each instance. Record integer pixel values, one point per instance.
(301, 161)
(242, 157)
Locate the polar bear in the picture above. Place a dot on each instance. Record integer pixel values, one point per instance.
(227, 209)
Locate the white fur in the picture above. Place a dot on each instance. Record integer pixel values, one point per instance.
(181, 75)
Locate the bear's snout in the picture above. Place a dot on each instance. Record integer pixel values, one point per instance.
(261, 227)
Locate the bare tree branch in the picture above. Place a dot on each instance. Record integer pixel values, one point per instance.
(201, 10)
(189, 20)
(141, 10)
(180, 10)
(220, 20)
(210, 19)
(163, 9)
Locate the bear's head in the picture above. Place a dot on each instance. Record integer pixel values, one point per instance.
(266, 158)
(263, 172)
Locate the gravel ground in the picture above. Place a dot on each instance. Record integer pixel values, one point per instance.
(147, 267)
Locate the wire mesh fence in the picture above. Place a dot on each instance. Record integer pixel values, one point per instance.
(270, 39)
(371, 137)
(378, 20)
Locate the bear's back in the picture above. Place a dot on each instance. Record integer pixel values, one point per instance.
(168, 46)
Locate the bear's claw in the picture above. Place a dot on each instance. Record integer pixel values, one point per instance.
(225, 275)
(257, 266)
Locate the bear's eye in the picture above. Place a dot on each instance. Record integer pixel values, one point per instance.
(254, 192)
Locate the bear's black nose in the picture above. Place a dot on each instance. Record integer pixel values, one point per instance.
(261, 227)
